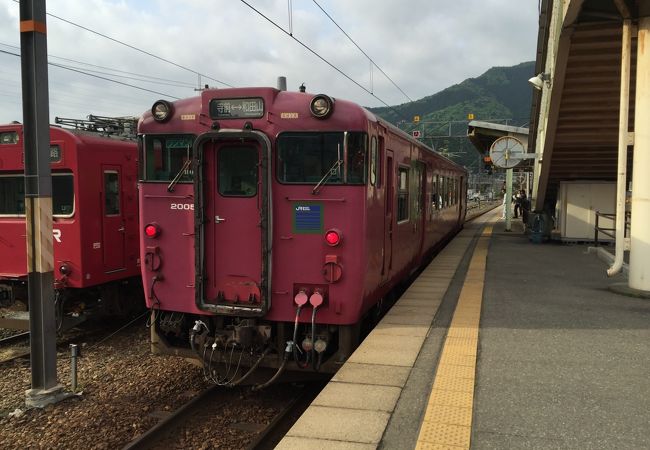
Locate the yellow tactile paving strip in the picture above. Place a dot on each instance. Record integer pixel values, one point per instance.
(448, 419)
(342, 418)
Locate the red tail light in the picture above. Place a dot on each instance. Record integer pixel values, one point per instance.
(333, 237)
(152, 230)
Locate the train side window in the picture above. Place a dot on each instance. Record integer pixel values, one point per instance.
(237, 167)
(445, 198)
(373, 161)
(62, 194)
(380, 159)
(12, 195)
(402, 194)
(435, 193)
(111, 193)
(357, 158)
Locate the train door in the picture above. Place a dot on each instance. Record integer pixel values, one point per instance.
(421, 195)
(461, 195)
(233, 233)
(388, 216)
(113, 231)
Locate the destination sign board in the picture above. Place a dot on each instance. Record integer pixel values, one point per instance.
(237, 108)
(179, 142)
(55, 154)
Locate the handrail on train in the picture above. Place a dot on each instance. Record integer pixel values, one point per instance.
(611, 232)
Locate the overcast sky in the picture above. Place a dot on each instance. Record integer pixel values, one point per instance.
(424, 46)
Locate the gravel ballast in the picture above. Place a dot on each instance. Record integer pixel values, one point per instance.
(125, 389)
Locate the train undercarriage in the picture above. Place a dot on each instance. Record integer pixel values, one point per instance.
(231, 349)
(72, 306)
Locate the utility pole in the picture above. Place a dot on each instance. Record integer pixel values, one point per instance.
(38, 205)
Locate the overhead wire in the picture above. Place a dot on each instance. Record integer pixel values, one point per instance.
(145, 77)
(361, 50)
(132, 47)
(97, 76)
(319, 56)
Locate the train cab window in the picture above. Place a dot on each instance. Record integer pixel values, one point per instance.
(12, 195)
(237, 167)
(111, 193)
(168, 156)
(309, 157)
(402, 194)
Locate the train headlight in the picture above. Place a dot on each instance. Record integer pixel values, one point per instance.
(321, 106)
(152, 230)
(161, 110)
(333, 237)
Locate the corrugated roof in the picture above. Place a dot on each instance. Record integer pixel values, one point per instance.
(582, 130)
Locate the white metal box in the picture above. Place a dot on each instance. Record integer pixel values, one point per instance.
(576, 208)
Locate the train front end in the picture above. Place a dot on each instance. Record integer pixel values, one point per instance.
(253, 228)
(13, 250)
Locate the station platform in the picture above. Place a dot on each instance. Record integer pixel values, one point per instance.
(499, 343)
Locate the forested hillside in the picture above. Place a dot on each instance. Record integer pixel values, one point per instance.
(501, 93)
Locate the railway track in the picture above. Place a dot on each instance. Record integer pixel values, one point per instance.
(222, 417)
(9, 340)
(11, 350)
(271, 435)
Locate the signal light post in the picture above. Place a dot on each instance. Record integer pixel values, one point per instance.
(38, 205)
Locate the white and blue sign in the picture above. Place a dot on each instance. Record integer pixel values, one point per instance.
(307, 217)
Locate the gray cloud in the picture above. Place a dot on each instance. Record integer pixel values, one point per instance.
(423, 45)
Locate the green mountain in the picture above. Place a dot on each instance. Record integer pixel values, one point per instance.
(501, 94)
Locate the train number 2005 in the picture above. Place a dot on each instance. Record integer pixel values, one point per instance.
(183, 206)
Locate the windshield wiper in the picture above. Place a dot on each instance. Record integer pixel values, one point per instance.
(186, 165)
(332, 171)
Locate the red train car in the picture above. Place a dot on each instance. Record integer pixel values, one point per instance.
(276, 222)
(94, 202)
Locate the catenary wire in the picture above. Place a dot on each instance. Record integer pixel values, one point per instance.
(97, 76)
(361, 50)
(319, 56)
(132, 47)
(146, 78)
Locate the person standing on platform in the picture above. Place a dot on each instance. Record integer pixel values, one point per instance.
(520, 200)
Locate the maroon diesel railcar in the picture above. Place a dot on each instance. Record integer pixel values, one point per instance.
(95, 228)
(275, 222)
